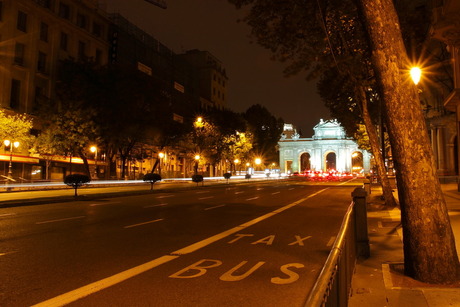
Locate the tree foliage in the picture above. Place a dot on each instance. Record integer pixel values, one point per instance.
(16, 127)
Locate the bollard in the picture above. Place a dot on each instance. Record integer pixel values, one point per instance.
(360, 212)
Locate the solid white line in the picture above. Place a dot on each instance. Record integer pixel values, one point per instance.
(159, 205)
(84, 291)
(207, 197)
(214, 207)
(140, 224)
(275, 193)
(60, 220)
(99, 285)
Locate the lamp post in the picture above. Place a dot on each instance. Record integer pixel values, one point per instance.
(11, 145)
(258, 161)
(236, 161)
(197, 158)
(93, 149)
(161, 156)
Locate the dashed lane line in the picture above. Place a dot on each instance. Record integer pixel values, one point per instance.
(275, 193)
(156, 205)
(84, 291)
(210, 208)
(253, 198)
(207, 197)
(7, 214)
(61, 220)
(144, 223)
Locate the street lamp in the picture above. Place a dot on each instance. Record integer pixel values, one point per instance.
(415, 73)
(10, 144)
(236, 161)
(93, 149)
(161, 156)
(258, 161)
(197, 158)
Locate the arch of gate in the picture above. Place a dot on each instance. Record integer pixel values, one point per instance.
(329, 137)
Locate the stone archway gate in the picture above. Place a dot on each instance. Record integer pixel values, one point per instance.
(329, 137)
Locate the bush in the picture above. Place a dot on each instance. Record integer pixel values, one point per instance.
(197, 179)
(151, 178)
(76, 181)
(227, 176)
(248, 176)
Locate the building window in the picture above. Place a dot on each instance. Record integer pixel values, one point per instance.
(15, 94)
(64, 41)
(19, 51)
(98, 57)
(81, 21)
(43, 32)
(44, 3)
(81, 50)
(41, 63)
(97, 29)
(22, 21)
(64, 11)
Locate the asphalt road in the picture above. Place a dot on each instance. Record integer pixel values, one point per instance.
(261, 244)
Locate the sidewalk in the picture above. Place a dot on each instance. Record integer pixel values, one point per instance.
(378, 281)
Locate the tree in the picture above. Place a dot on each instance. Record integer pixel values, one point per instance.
(296, 32)
(266, 130)
(16, 128)
(429, 246)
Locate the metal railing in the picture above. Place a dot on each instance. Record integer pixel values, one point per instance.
(334, 282)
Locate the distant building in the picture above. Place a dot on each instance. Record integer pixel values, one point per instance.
(328, 149)
(213, 80)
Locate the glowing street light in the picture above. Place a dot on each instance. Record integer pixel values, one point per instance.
(11, 145)
(161, 156)
(93, 149)
(197, 158)
(415, 73)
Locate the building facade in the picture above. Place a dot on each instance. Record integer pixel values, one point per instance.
(446, 28)
(35, 35)
(328, 149)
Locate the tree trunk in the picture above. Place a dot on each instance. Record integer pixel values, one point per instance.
(429, 246)
(374, 142)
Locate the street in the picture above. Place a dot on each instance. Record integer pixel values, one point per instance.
(260, 243)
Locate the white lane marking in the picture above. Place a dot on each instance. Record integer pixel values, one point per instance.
(64, 219)
(103, 204)
(99, 285)
(140, 224)
(275, 193)
(331, 241)
(258, 189)
(253, 198)
(7, 214)
(201, 192)
(158, 205)
(7, 253)
(239, 192)
(291, 189)
(84, 291)
(164, 196)
(207, 197)
(345, 182)
(214, 207)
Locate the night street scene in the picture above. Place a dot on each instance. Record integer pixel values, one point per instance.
(229, 153)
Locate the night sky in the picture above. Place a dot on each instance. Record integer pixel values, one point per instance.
(212, 25)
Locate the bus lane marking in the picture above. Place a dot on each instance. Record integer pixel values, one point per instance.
(74, 295)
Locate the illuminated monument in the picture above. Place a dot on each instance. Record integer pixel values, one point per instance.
(328, 149)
